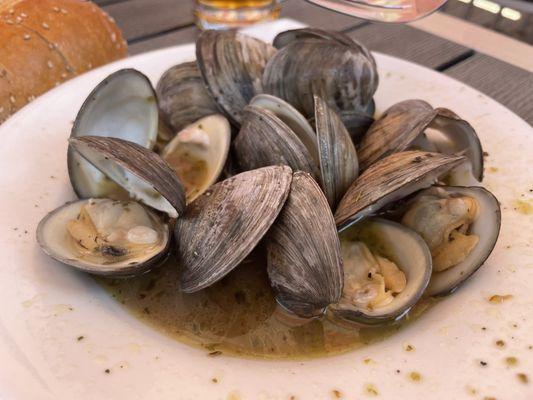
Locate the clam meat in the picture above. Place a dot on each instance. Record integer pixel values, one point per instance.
(111, 237)
(387, 267)
(105, 236)
(198, 153)
(460, 226)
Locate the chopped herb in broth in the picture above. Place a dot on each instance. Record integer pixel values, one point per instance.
(236, 316)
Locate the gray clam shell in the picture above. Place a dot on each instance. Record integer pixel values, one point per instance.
(232, 65)
(338, 158)
(140, 171)
(405, 122)
(395, 130)
(222, 226)
(183, 97)
(123, 105)
(391, 179)
(290, 116)
(344, 75)
(264, 139)
(284, 38)
(303, 251)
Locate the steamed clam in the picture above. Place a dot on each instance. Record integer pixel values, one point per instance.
(264, 139)
(232, 65)
(112, 237)
(105, 237)
(386, 270)
(183, 97)
(269, 136)
(391, 179)
(460, 226)
(415, 124)
(223, 226)
(304, 260)
(331, 65)
(124, 106)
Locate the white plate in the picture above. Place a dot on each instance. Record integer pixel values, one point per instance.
(46, 306)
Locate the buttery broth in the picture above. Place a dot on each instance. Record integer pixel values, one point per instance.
(238, 315)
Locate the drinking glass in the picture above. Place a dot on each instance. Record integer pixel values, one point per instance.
(228, 14)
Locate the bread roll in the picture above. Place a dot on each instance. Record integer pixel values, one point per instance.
(46, 42)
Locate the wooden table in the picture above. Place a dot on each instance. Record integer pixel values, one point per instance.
(153, 24)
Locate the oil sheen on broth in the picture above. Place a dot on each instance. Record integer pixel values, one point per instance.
(236, 316)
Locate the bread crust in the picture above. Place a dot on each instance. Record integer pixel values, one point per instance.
(46, 42)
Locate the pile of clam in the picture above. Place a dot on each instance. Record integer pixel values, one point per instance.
(254, 143)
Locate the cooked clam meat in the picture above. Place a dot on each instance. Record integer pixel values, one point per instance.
(114, 230)
(198, 153)
(370, 280)
(443, 220)
(184, 155)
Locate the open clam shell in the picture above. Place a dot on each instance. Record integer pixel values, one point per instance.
(183, 97)
(459, 137)
(338, 158)
(199, 152)
(232, 65)
(395, 130)
(486, 226)
(141, 172)
(264, 140)
(406, 249)
(391, 179)
(221, 227)
(303, 251)
(116, 238)
(124, 106)
(415, 124)
(347, 74)
(56, 241)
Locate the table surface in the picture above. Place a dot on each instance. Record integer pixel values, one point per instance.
(152, 24)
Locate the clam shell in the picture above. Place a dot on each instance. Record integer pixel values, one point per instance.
(348, 75)
(463, 136)
(232, 65)
(284, 38)
(123, 105)
(221, 227)
(403, 125)
(399, 125)
(266, 140)
(145, 175)
(408, 251)
(290, 116)
(183, 97)
(338, 158)
(53, 237)
(391, 179)
(303, 250)
(486, 226)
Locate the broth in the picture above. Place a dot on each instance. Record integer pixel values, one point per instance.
(238, 315)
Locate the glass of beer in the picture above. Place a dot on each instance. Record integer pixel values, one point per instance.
(228, 14)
